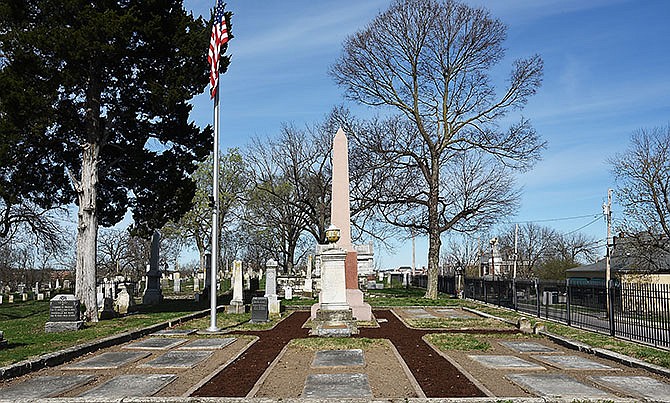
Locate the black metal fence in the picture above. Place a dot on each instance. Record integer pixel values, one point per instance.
(638, 312)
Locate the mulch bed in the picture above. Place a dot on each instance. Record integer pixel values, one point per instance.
(436, 376)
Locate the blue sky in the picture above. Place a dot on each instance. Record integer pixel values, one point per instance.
(606, 75)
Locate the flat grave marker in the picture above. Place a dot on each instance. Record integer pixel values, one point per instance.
(208, 344)
(178, 359)
(109, 360)
(573, 362)
(505, 362)
(44, 386)
(558, 386)
(156, 343)
(419, 313)
(527, 347)
(638, 386)
(174, 332)
(338, 358)
(332, 386)
(130, 386)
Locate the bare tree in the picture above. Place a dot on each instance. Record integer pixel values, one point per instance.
(643, 176)
(535, 243)
(430, 61)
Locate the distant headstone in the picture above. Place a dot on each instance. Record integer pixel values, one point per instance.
(24, 297)
(259, 310)
(124, 300)
(10, 299)
(40, 297)
(64, 314)
(66, 284)
(288, 292)
(108, 311)
(177, 282)
(196, 283)
(153, 293)
(271, 286)
(0, 299)
(3, 341)
(237, 303)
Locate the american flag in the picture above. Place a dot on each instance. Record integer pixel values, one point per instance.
(219, 38)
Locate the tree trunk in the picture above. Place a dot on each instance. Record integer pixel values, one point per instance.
(434, 240)
(87, 232)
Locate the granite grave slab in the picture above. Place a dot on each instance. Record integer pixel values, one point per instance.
(509, 362)
(637, 386)
(130, 386)
(338, 358)
(420, 313)
(174, 332)
(453, 313)
(110, 360)
(527, 347)
(558, 386)
(156, 343)
(44, 386)
(178, 359)
(574, 362)
(325, 386)
(208, 344)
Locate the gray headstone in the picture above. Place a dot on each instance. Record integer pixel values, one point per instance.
(558, 386)
(259, 310)
(505, 362)
(178, 359)
(131, 386)
(637, 386)
(64, 308)
(208, 344)
(109, 360)
(573, 362)
(156, 343)
(337, 386)
(44, 386)
(338, 358)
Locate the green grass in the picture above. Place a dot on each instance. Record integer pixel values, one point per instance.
(23, 324)
(458, 323)
(406, 297)
(335, 343)
(646, 353)
(234, 322)
(458, 342)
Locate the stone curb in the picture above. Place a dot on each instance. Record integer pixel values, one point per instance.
(585, 348)
(311, 400)
(65, 355)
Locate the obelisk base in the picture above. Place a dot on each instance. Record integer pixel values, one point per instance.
(338, 323)
(360, 309)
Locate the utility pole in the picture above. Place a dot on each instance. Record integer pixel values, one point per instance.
(413, 231)
(516, 251)
(607, 212)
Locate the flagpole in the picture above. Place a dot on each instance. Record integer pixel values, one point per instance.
(215, 220)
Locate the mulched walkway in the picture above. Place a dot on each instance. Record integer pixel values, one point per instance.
(436, 376)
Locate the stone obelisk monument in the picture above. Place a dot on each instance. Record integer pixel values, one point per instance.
(340, 216)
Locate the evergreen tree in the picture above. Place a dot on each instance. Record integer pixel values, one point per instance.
(109, 83)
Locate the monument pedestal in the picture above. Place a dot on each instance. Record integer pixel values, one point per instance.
(332, 317)
(235, 307)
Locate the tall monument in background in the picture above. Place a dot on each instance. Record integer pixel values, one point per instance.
(340, 216)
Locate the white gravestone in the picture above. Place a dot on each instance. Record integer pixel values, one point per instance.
(271, 286)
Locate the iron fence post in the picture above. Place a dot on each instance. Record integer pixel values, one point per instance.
(568, 293)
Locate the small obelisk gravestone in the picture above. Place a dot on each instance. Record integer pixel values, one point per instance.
(153, 293)
(237, 303)
(271, 286)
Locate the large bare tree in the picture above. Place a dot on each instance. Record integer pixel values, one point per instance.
(643, 177)
(431, 61)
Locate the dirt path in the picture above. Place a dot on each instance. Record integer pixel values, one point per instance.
(436, 376)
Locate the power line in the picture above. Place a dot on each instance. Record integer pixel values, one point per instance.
(557, 219)
(582, 227)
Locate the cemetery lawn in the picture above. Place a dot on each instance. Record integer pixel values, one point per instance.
(23, 324)
(646, 353)
(388, 297)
